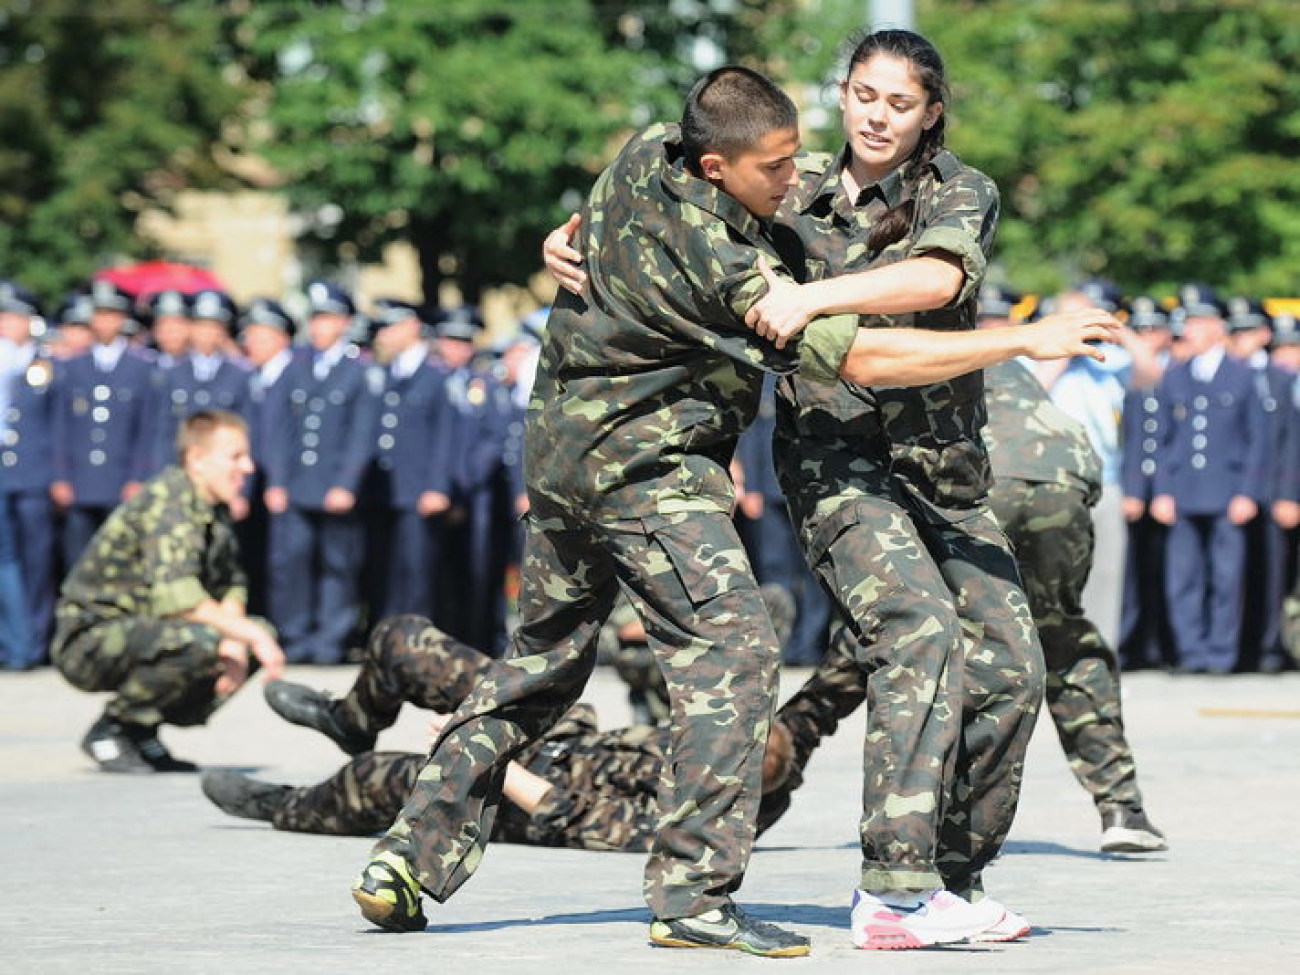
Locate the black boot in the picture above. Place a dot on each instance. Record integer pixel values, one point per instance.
(238, 795)
(315, 709)
(110, 745)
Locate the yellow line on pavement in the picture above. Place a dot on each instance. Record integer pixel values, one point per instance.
(1246, 713)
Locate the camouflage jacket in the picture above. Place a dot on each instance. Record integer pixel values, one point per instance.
(646, 382)
(159, 554)
(930, 434)
(606, 783)
(1030, 439)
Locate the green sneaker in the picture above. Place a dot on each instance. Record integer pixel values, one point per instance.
(388, 895)
(728, 927)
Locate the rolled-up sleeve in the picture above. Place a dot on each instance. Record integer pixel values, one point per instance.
(962, 222)
(823, 346)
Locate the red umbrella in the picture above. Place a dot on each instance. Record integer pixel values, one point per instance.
(150, 277)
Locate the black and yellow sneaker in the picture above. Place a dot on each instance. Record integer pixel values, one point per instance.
(388, 895)
(728, 927)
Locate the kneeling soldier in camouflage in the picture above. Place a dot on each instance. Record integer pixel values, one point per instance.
(154, 608)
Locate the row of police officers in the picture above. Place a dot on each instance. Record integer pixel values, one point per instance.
(386, 456)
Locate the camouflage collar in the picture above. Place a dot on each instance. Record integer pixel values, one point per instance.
(187, 493)
(828, 189)
(679, 182)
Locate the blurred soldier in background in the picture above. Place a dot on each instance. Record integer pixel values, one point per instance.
(169, 326)
(155, 608)
(266, 336)
(325, 409)
(1286, 507)
(408, 487)
(1250, 330)
(1045, 478)
(101, 408)
(1210, 474)
(1145, 638)
(27, 378)
(203, 378)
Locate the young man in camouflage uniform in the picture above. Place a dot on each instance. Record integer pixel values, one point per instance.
(1046, 476)
(641, 395)
(574, 787)
(154, 608)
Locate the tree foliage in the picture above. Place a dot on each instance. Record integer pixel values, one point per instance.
(1151, 143)
(104, 109)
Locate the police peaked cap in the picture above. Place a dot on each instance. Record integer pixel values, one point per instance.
(1200, 301)
(1102, 293)
(76, 309)
(1245, 314)
(265, 311)
(18, 300)
(390, 311)
(327, 298)
(996, 301)
(168, 303)
(108, 296)
(1145, 314)
(459, 323)
(211, 305)
(1285, 330)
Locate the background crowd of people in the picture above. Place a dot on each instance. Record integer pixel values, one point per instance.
(389, 481)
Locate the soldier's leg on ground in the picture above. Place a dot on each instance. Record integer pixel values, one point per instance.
(690, 581)
(1051, 533)
(361, 798)
(408, 659)
(1185, 581)
(1227, 562)
(568, 590)
(1002, 689)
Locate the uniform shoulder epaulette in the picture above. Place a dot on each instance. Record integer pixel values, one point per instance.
(946, 164)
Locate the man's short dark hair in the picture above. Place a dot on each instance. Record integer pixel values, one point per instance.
(730, 110)
(197, 428)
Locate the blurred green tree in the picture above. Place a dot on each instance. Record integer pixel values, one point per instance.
(1150, 143)
(105, 109)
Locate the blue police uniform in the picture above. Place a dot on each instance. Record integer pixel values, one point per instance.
(1213, 449)
(326, 412)
(474, 559)
(263, 423)
(773, 546)
(26, 435)
(1145, 637)
(101, 405)
(412, 457)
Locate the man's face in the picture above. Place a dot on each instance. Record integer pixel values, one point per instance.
(207, 337)
(1203, 332)
(171, 334)
(326, 328)
(1244, 343)
(262, 343)
(758, 178)
(14, 327)
(106, 325)
(455, 352)
(218, 466)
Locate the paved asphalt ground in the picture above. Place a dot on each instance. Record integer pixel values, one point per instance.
(108, 874)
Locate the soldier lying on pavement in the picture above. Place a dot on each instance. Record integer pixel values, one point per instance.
(577, 787)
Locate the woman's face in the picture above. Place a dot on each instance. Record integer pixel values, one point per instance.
(885, 111)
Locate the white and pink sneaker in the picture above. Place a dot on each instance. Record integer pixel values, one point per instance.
(895, 919)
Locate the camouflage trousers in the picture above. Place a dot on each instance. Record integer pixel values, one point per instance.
(409, 660)
(603, 793)
(1051, 533)
(688, 578)
(162, 670)
(945, 654)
